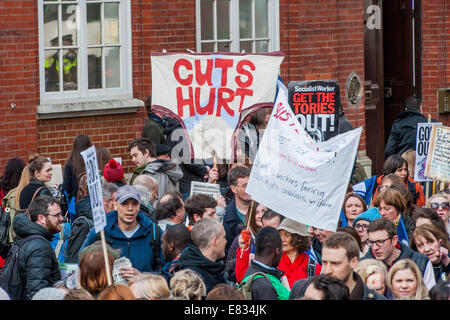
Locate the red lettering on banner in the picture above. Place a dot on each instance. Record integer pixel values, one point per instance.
(240, 69)
(223, 101)
(209, 108)
(181, 102)
(176, 71)
(243, 93)
(200, 77)
(224, 64)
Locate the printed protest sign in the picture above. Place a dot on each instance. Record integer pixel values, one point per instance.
(95, 188)
(438, 161)
(297, 177)
(316, 106)
(206, 93)
(422, 144)
(211, 189)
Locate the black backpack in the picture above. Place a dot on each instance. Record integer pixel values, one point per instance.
(5, 224)
(10, 278)
(79, 230)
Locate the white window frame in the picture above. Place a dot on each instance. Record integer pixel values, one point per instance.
(83, 94)
(273, 24)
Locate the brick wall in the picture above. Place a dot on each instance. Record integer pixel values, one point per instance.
(435, 54)
(156, 26)
(324, 40)
(19, 78)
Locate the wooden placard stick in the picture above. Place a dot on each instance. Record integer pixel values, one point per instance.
(105, 254)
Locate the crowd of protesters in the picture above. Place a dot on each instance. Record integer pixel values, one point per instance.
(170, 244)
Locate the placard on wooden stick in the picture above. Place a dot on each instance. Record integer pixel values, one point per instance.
(438, 161)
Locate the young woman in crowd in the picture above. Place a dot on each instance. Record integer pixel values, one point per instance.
(40, 172)
(439, 202)
(353, 206)
(374, 274)
(406, 282)
(149, 286)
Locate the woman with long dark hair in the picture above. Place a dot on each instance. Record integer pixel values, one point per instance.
(74, 167)
(11, 176)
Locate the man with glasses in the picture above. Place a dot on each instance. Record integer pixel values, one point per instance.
(234, 219)
(384, 246)
(38, 265)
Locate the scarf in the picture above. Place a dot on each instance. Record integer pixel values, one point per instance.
(137, 172)
(296, 270)
(158, 119)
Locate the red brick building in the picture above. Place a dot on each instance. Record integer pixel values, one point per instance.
(392, 49)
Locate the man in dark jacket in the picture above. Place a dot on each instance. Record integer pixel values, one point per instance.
(404, 129)
(384, 246)
(205, 255)
(268, 252)
(38, 265)
(132, 233)
(154, 126)
(235, 212)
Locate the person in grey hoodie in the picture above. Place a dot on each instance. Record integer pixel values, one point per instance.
(156, 164)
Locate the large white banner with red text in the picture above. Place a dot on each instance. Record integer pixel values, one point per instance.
(297, 177)
(207, 92)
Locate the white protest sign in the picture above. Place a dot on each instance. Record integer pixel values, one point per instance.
(422, 145)
(438, 161)
(95, 188)
(211, 189)
(297, 177)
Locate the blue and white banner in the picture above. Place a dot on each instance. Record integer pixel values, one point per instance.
(297, 177)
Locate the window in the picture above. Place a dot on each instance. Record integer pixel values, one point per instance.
(91, 40)
(237, 25)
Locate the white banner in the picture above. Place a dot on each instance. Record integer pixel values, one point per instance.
(206, 93)
(422, 144)
(95, 188)
(297, 177)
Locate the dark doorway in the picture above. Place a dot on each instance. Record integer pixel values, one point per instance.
(392, 69)
(402, 51)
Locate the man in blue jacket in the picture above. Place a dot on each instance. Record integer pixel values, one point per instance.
(130, 232)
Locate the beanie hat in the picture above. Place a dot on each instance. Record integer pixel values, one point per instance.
(49, 293)
(369, 215)
(113, 171)
(162, 149)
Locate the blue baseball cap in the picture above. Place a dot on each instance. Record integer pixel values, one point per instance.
(127, 192)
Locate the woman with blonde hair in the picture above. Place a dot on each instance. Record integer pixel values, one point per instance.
(406, 282)
(187, 284)
(149, 286)
(374, 274)
(410, 157)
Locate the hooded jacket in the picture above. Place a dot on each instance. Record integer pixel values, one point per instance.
(166, 173)
(262, 289)
(137, 248)
(38, 265)
(211, 272)
(403, 132)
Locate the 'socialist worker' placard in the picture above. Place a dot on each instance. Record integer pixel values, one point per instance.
(438, 162)
(316, 106)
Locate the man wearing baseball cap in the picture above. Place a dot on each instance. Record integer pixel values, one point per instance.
(130, 232)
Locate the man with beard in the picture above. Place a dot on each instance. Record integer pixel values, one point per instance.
(340, 255)
(38, 265)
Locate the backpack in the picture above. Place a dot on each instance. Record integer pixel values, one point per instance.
(245, 286)
(60, 241)
(80, 228)
(10, 278)
(5, 223)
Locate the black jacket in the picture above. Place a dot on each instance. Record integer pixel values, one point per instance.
(38, 265)
(232, 224)
(27, 193)
(211, 272)
(262, 289)
(403, 132)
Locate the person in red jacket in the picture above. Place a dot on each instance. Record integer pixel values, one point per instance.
(295, 262)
